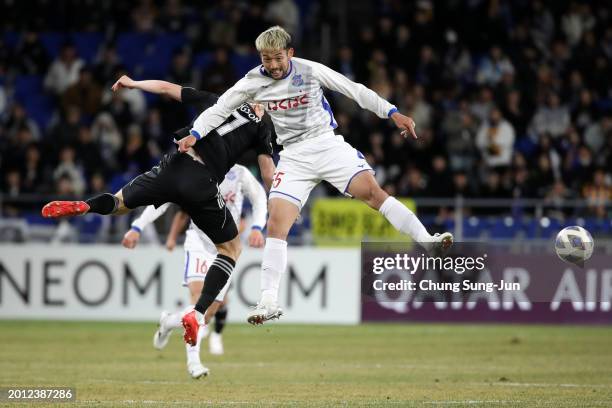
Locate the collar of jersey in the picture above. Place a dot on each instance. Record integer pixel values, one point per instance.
(263, 72)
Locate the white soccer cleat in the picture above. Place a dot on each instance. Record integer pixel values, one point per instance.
(215, 344)
(264, 312)
(197, 370)
(441, 242)
(161, 336)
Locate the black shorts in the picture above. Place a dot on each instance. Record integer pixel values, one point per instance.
(179, 179)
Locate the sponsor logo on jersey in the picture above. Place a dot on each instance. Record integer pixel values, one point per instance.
(249, 113)
(290, 103)
(297, 80)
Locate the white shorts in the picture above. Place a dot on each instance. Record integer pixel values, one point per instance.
(196, 266)
(305, 164)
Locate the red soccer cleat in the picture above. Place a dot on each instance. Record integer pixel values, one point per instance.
(191, 325)
(56, 209)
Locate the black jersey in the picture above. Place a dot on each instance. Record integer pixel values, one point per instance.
(222, 147)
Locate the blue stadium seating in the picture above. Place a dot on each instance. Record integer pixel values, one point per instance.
(244, 63)
(87, 45)
(202, 60)
(11, 39)
(53, 42)
(29, 93)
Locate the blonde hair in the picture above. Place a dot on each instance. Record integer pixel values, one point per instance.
(274, 38)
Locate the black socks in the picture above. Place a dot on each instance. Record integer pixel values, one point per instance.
(103, 204)
(216, 277)
(220, 317)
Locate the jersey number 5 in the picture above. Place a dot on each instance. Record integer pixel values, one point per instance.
(277, 178)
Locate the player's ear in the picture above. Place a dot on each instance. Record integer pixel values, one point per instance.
(290, 53)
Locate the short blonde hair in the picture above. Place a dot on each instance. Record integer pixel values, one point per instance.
(274, 38)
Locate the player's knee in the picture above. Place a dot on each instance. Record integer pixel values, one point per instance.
(232, 248)
(374, 196)
(277, 229)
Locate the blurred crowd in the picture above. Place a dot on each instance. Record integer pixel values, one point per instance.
(512, 99)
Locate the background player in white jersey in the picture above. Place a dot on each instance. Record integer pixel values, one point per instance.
(200, 252)
(291, 89)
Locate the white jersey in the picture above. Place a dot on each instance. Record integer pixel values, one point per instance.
(296, 103)
(238, 183)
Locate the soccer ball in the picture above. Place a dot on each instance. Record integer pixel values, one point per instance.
(574, 245)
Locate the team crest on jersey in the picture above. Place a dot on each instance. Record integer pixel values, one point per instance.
(297, 80)
(230, 175)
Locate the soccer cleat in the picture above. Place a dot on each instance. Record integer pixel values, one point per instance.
(161, 336)
(264, 312)
(56, 209)
(441, 242)
(215, 344)
(197, 370)
(191, 326)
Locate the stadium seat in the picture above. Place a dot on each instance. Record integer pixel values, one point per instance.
(53, 42)
(37, 219)
(475, 227)
(40, 108)
(202, 60)
(29, 92)
(131, 47)
(27, 85)
(244, 63)
(505, 228)
(11, 39)
(89, 226)
(87, 45)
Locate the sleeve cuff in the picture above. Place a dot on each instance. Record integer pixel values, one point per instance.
(256, 227)
(195, 133)
(135, 228)
(392, 111)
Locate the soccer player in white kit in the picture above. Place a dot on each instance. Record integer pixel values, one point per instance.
(291, 90)
(200, 252)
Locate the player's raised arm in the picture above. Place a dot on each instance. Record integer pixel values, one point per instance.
(150, 214)
(178, 226)
(153, 86)
(267, 169)
(365, 97)
(214, 116)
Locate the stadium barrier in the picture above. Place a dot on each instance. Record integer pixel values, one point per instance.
(104, 282)
(108, 282)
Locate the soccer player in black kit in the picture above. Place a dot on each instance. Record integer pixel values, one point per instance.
(190, 179)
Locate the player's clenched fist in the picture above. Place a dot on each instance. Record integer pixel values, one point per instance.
(256, 239)
(130, 239)
(185, 143)
(123, 82)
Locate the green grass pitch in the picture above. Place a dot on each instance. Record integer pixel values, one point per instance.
(114, 364)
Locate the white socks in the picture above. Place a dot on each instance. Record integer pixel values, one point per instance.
(193, 353)
(404, 220)
(273, 266)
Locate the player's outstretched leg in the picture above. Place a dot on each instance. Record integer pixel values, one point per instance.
(365, 188)
(104, 204)
(282, 215)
